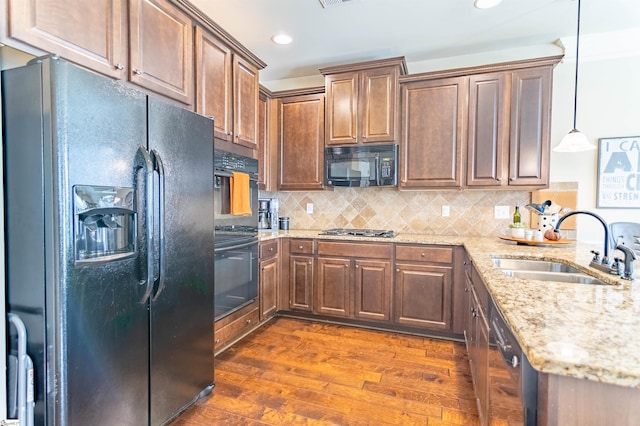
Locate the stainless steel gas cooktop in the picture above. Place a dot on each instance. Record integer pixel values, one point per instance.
(359, 232)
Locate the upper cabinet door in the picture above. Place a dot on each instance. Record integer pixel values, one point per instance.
(342, 108)
(245, 102)
(161, 37)
(89, 33)
(378, 105)
(433, 132)
(488, 134)
(530, 127)
(213, 83)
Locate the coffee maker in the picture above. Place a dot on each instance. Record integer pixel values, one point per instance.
(268, 214)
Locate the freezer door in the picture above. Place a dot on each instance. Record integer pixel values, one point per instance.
(86, 323)
(181, 143)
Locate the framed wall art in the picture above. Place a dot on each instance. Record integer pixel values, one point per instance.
(619, 173)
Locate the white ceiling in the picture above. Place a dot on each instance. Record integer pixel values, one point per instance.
(419, 30)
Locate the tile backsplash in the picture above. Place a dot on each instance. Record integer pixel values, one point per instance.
(471, 212)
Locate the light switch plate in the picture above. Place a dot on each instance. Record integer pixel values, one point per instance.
(501, 212)
(445, 211)
(309, 208)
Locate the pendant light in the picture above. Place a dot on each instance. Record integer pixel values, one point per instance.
(575, 140)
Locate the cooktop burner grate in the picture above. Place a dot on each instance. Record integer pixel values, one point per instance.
(379, 233)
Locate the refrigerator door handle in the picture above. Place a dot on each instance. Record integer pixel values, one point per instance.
(25, 395)
(143, 161)
(159, 167)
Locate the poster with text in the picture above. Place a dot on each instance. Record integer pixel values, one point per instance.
(619, 173)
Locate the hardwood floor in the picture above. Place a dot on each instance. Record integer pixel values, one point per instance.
(293, 372)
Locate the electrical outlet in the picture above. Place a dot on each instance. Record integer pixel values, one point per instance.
(445, 211)
(501, 212)
(309, 208)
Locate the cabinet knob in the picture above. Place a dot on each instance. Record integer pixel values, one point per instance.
(137, 72)
(248, 321)
(270, 248)
(119, 67)
(422, 254)
(309, 262)
(216, 341)
(228, 133)
(466, 289)
(499, 179)
(357, 266)
(238, 136)
(346, 266)
(300, 247)
(511, 179)
(398, 270)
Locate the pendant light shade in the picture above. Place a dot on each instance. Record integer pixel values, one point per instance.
(575, 141)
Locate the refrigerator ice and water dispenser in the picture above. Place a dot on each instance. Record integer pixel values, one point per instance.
(104, 223)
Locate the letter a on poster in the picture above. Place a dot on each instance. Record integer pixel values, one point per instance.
(619, 173)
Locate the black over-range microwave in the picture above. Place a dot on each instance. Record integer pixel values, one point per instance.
(361, 165)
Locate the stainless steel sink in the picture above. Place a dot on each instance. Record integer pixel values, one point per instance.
(543, 270)
(533, 265)
(565, 277)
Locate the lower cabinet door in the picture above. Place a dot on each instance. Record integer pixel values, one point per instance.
(301, 283)
(373, 290)
(423, 296)
(332, 290)
(269, 279)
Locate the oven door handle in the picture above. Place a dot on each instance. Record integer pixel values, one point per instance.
(221, 173)
(238, 246)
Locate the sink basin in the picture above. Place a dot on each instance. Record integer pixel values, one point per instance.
(533, 265)
(565, 277)
(544, 270)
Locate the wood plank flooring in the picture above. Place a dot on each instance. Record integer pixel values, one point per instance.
(296, 372)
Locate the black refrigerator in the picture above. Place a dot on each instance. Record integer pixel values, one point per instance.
(109, 244)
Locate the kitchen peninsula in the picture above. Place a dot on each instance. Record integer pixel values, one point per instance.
(582, 337)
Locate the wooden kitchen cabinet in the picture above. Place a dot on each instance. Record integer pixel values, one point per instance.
(333, 287)
(301, 142)
(301, 274)
(363, 102)
(235, 326)
(530, 127)
(509, 128)
(423, 287)
(269, 278)
(433, 133)
(267, 142)
(92, 34)
(488, 129)
(354, 280)
(227, 88)
(161, 49)
(477, 338)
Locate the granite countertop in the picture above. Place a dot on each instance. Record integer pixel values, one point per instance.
(578, 330)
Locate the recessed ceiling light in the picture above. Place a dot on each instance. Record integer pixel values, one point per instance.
(486, 4)
(281, 39)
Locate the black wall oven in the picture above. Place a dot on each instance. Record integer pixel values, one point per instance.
(236, 236)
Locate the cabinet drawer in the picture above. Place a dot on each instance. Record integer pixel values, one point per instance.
(424, 253)
(300, 246)
(268, 249)
(374, 251)
(236, 328)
